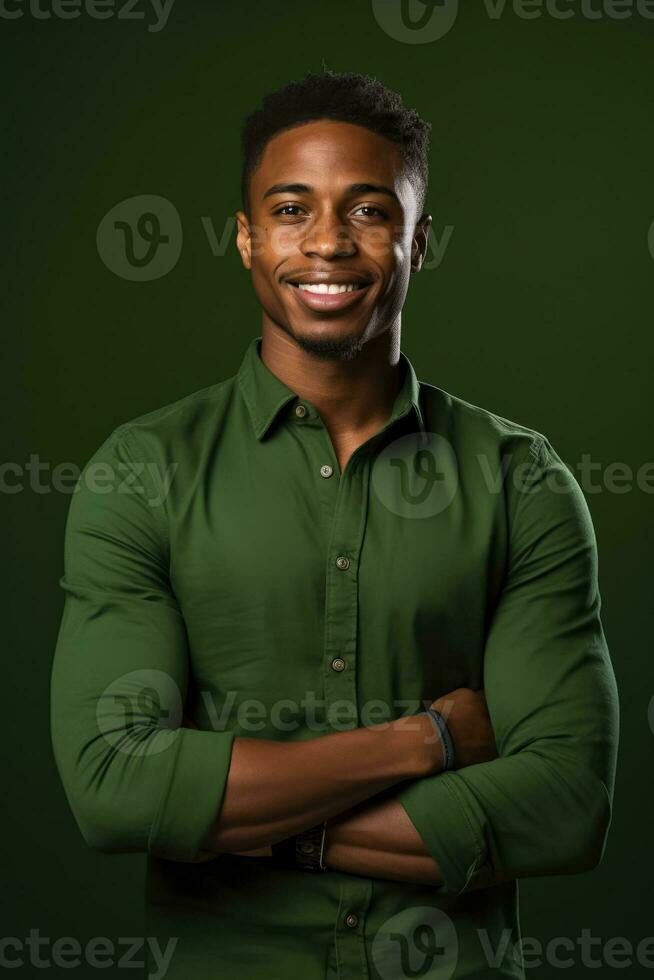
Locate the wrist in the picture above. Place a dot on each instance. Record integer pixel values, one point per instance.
(310, 848)
(447, 742)
(418, 745)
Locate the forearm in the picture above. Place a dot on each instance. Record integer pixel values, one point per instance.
(277, 789)
(377, 840)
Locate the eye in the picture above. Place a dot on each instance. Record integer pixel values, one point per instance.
(370, 207)
(287, 207)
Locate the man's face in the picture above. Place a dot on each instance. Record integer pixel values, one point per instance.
(310, 224)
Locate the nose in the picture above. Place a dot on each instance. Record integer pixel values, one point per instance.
(328, 238)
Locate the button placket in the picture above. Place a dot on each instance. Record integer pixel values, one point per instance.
(355, 899)
(341, 597)
(324, 469)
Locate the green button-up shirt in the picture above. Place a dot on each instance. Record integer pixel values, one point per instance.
(201, 571)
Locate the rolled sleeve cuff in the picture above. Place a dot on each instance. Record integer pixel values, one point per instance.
(193, 796)
(450, 825)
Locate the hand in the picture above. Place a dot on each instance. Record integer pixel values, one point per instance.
(466, 715)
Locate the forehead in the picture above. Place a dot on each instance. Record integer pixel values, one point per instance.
(327, 154)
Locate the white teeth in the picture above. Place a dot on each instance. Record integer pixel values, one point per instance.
(323, 287)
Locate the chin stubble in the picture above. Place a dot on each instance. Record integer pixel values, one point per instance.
(339, 349)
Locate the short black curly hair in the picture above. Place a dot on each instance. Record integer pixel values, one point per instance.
(346, 97)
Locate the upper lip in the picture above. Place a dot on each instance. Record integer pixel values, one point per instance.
(343, 277)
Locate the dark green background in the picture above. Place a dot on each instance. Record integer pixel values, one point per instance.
(541, 160)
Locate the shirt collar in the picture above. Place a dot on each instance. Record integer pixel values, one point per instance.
(266, 395)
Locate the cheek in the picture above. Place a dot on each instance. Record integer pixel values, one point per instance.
(401, 262)
(377, 245)
(401, 251)
(385, 248)
(280, 241)
(397, 280)
(271, 243)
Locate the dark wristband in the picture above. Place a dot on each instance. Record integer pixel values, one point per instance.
(304, 851)
(446, 738)
(310, 848)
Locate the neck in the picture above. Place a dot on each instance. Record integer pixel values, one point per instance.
(352, 397)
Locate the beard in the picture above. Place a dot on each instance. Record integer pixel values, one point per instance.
(340, 349)
(329, 348)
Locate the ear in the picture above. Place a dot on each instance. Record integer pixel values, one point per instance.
(420, 242)
(244, 238)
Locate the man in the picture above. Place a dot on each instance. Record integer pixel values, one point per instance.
(338, 549)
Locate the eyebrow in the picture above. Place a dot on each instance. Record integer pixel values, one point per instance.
(352, 189)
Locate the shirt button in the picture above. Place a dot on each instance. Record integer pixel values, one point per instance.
(326, 470)
(300, 411)
(352, 921)
(338, 663)
(342, 563)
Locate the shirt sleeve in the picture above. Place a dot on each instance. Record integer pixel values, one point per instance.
(134, 779)
(544, 806)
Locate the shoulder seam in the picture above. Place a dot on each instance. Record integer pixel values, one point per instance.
(509, 425)
(202, 394)
(535, 450)
(537, 446)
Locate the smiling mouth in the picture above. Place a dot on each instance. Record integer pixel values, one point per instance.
(328, 289)
(328, 298)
